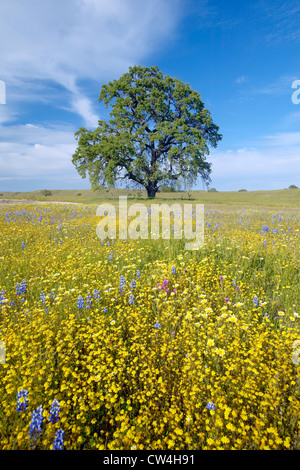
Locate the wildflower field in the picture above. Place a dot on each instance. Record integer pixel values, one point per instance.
(141, 344)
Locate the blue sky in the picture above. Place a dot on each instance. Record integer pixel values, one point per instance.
(242, 57)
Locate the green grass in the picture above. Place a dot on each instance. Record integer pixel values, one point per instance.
(275, 198)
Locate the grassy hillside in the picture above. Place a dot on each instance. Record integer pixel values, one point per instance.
(275, 198)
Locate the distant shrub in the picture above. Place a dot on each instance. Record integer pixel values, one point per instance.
(78, 194)
(241, 190)
(213, 190)
(1, 194)
(293, 186)
(46, 192)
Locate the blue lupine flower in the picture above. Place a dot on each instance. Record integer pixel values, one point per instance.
(52, 295)
(58, 442)
(138, 274)
(22, 400)
(11, 303)
(110, 256)
(173, 270)
(96, 294)
(2, 298)
(23, 287)
(211, 406)
(132, 284)
(37, 419)
(131, 299)
(23, 245)
(255, 301)
(104, 310)
(43, 298)
(122, 284)
(157, 325)
(88, 301)
(80, 302)
(54, 412)
(265, 228)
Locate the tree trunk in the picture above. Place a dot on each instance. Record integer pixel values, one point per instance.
(151, 190)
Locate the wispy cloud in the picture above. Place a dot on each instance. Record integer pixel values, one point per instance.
(279, 86)
(281, 21)
(273, 163)
(65, 42)
(36, 153)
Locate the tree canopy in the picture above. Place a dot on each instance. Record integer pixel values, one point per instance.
(159, 132)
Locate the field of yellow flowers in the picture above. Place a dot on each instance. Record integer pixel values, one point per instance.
(141, 344)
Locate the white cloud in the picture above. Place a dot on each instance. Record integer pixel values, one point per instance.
(36, 153)
(49, 50)
(273, 163)
(241, 79)
(65, 42)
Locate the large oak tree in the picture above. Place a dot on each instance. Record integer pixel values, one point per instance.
(159, 132)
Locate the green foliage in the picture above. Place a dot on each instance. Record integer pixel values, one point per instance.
(212, 190)
(159, 131)
(165, 188)
(293, 186)
(46, 192)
